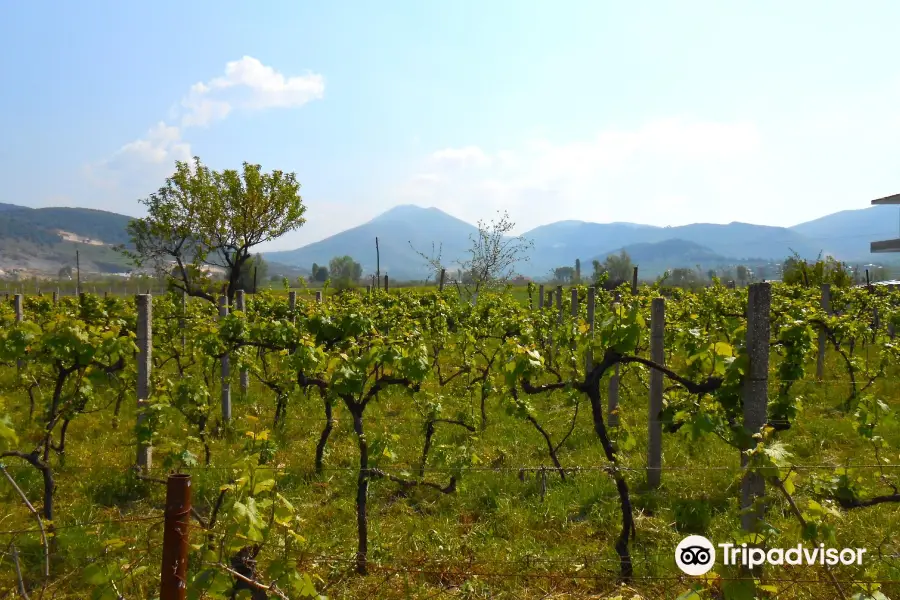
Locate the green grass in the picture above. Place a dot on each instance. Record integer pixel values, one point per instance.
(501, 535)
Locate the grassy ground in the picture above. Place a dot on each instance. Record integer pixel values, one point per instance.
(503, 534)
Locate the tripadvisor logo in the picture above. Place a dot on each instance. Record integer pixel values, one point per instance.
(696, 555)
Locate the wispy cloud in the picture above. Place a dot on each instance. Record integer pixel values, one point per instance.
(545, 180)
(247, 85)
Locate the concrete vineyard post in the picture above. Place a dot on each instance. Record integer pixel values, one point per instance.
(657, 355)
(386, 287)
(823, 340)
(756, 386)
(173, 574)
(559, 306)
(541, 297)
(318, 297)
(441, 284)
(55, 297)
(225, 374)
(292, 307)
(240, 305)
(19, 302)
(181, 322)
(574, 312)
(612, 407)
(876, 323)
(557, 296)
(144, 366)
(591, 303)
(634, 281)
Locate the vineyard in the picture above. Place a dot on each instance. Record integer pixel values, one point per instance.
(415, 445)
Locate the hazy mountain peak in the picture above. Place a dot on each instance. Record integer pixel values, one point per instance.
(407, 211)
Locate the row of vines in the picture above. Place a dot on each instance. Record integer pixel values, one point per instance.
(361, 425)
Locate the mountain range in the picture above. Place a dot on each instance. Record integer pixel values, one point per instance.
(42, 240)
(406, 231)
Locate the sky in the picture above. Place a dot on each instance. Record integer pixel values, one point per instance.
(663, 113)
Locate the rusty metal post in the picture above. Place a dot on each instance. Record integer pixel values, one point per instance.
(173, 576)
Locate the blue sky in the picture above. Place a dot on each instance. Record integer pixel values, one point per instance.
(655, 112)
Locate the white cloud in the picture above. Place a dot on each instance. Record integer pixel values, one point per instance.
(645, 174)
(247, 85)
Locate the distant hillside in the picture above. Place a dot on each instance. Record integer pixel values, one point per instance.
(673, 253)
(847, 234)
(46, 239)
(561, 243)
(395, 229)
(655, 258)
